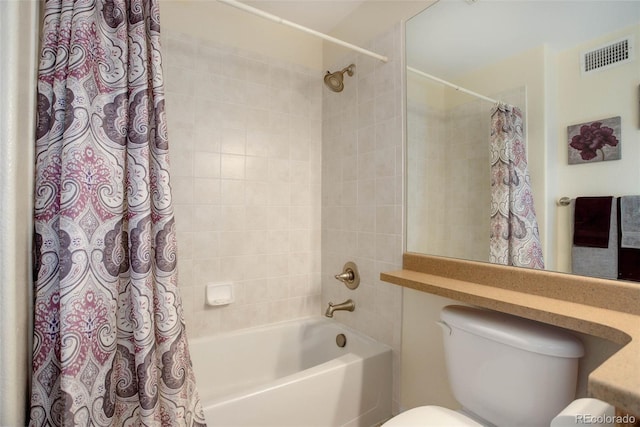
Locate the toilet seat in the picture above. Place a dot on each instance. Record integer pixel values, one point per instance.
(430, 416)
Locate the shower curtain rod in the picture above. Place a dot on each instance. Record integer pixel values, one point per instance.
(274, 18)
(456, 87)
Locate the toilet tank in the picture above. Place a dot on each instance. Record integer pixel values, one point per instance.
(508, 370)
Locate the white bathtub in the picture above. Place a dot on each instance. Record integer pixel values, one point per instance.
(293, 374)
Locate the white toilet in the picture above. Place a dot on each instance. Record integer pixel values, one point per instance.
(504, 371)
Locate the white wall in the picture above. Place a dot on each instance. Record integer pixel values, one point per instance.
(18, 44)
(424, 379)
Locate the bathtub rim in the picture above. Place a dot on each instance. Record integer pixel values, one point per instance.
(269, 326)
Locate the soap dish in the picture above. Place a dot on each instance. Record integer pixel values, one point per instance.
(219, 294)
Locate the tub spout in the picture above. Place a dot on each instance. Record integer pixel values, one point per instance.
(348, 305)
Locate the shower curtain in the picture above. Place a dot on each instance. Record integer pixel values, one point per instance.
(514, 229)
(109, 342)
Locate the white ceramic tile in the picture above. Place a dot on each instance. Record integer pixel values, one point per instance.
(257, 194)
(205, 271)
(278, 217)
(207, 190)
(185, 272)
(279, 170)
(300, 193)
(278, 241)
(232, 218)
(279, 193)
(232, 166)
(300, 241)
(232, 141)
(385, 190)
(234, 66)
(258, 142)
(206, 217)
(206, 165)
(206, 139)
(182, 189)
(183, 217)
(232, 269)
(257, 117)
(256, 168)
(209, 61)
(233, 192)
(206, 245)
(233, 115)
(278, 144)
(234, 91)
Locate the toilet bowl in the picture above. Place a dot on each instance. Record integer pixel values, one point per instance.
(431, 416)
(593, 412)
(504, 371)
(583, 411)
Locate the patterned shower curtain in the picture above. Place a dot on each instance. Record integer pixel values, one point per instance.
(514, 228)
(109, 342)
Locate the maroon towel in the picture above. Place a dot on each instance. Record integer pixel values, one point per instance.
(592, 219)
(628, 258)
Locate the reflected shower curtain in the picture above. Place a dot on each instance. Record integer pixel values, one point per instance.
(514, 229)
(109, 342)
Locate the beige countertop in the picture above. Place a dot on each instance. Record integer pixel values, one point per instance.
(603, 308)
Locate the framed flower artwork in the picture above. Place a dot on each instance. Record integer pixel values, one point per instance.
(595, 141)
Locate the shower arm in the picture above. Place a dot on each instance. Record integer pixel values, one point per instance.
(348, 70)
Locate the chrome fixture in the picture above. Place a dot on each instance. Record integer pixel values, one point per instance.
(341, 340)
(348, 305)
(349, 276)
(335, 80)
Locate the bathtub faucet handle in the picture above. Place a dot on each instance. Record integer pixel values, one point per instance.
(348, 305)
(346, 276)
(349, 276)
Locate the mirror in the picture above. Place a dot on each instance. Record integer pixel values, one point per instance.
(527, 54)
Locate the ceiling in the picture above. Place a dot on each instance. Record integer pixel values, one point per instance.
(319, 15)
(453, 37)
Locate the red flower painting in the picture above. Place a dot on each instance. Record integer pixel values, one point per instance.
(594, 141)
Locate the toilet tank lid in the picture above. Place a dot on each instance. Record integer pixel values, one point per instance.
(513, 331)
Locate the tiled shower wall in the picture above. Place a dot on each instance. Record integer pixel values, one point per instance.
(245, 140)
(362, 191)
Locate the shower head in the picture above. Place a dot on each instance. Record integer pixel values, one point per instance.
(334, 81)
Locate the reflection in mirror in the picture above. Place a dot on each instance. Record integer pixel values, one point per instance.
(526, 54)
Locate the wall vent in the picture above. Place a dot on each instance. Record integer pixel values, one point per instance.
(610, 55)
